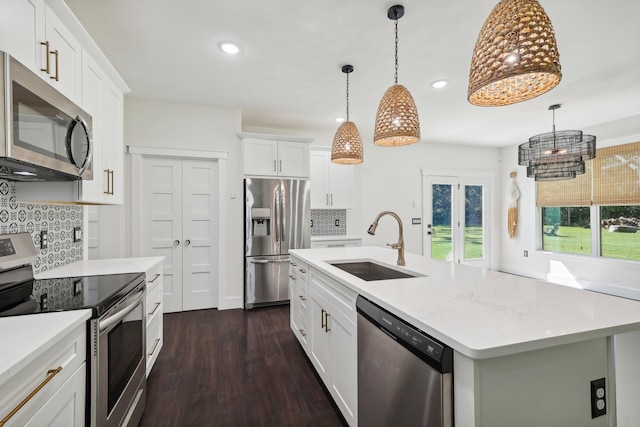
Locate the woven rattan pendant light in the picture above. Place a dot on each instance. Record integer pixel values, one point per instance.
(397, 120)
(516, 57)
(555, 156)
(347, 143)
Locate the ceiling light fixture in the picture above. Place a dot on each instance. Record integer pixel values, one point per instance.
(340, 119)
(229, 48)
(516, 56)
(397, 120)
(347, 144)
(439, 84)
(556, 156)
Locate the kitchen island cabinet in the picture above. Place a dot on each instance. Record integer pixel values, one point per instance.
(525, 351)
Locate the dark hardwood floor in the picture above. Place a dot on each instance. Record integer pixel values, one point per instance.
(234, 368)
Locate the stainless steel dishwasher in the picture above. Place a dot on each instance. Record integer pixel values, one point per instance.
(404, 376)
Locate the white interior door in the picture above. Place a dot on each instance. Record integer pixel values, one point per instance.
(162, 226)
(199, 216)
(456, 219)
(181, 198)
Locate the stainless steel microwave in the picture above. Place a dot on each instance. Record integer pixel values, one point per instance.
(46, 137)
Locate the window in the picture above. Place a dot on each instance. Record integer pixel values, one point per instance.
(601, 206)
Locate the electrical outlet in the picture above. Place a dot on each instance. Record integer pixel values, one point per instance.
(337, 223)
(311, 223)
(526, 253)
(598, 398)
(416, 221)
(77, 234)
(44, 239)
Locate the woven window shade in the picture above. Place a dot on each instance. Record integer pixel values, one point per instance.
(616, 175)
(573, 192)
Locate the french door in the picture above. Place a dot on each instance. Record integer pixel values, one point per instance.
(455, 219)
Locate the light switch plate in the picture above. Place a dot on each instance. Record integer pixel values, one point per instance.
(44, 239)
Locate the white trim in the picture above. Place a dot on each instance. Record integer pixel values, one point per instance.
(176, 153)
(455, 173)
(275, 137)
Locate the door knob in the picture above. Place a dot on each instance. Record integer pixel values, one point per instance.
(176, 242)
(187, 242)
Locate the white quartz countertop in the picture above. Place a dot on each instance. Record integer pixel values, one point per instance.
(482, 313)
(335, 237)
(24, 338)
(99, 267)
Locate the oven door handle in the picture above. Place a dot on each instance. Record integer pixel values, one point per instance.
(120, 314)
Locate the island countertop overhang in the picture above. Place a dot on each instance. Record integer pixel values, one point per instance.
(482, 313)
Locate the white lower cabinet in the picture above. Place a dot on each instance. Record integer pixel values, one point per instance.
(53, 386)
(154, 312)
(328, 319)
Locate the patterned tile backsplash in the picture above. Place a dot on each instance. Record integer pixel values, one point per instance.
(58, 220)
(328, 222)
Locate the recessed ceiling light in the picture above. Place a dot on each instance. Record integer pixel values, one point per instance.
(439, 84)
(230, 48)
(340, 119)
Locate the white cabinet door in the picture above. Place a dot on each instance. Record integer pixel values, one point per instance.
(331, 183)
(66, 408)
(293, 159)
(260, 157)
(112, 165)
(344, 365)
(320, 340)
(65, 58)
(341, 186)
(22, 29)
(180, 214)
(319, 178)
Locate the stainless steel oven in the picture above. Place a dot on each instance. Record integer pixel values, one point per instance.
(118, 378)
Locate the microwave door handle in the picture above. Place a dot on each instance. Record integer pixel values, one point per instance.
(118, 316)
(87, 161)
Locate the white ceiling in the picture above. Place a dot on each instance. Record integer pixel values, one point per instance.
(288, 74)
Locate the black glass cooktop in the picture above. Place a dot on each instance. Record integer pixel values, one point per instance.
(71, 293)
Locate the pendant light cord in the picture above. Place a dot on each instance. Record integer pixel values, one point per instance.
(396, 73)
(347, 96)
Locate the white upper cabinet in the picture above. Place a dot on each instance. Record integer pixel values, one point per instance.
(271, 157)
(331, 183)
(35, 36)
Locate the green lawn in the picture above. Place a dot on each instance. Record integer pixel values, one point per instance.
(441, 242)
(577, 240)
(574, 240)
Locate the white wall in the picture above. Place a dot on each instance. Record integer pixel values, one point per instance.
(150, 123)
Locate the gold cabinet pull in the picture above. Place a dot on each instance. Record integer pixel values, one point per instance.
(154, 278)
(47, 66)
(302, 297)
(155, 346)
(112, 186)
(302, 332)
(155, 309)
(326, 321)
(106, 171)
(50, 374)
(57, 76)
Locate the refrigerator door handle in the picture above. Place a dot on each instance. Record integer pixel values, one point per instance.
(276, 205)
(281, 220)
(268, 261)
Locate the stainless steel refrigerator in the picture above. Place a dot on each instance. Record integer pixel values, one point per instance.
(277, 218)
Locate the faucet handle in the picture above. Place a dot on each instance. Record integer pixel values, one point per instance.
(394, 245)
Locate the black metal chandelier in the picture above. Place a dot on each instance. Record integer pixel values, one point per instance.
(556, 155)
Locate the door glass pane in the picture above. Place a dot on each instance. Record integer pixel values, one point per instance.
(441, 247)
(473, 229)
(619, 236)
(566, 229)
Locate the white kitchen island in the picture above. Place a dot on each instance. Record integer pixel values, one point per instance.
(525, 351)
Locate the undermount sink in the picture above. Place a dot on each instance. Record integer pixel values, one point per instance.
(369, 271)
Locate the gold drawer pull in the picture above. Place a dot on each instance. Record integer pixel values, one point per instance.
(302, 297)
(155, 346)
(302, 332)
(50, 374)
(154, 278)
(155, 309)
